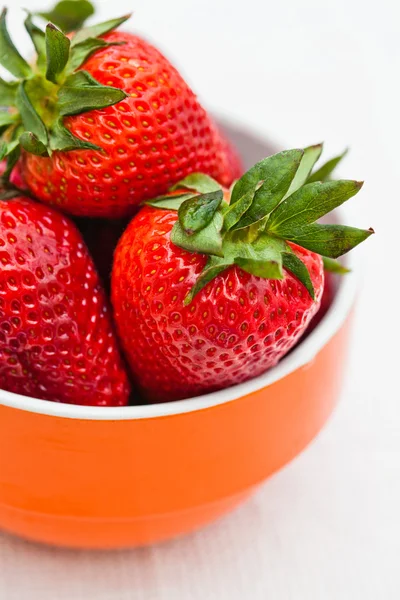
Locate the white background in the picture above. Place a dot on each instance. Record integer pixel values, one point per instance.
(328, 526)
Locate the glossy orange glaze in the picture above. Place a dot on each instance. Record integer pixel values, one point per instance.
(109, 484)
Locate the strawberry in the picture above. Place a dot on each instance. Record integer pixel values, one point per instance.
(207, 293)
(56, 338)
(115, 96)
(324, 173)
(16, 179)
(69, 15)
(328, 295)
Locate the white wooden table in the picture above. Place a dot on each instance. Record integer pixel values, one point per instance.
(328, 526)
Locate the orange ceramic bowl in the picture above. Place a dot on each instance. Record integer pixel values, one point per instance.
(121, 477)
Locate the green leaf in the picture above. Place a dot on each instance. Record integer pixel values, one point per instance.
(63, 140)
(212, 269)
(207, 241)
(310, 157)
(81, 52)
(324, 172)
(30, 143)
(278, 172)
(38, 38)
(196, 213)
(98, 30)
(260, 172)
(3, 150)
(329, 240)
(31, 120)
(69, 15)
(261, 255)
(295, 265)
(8, 91)
(246, 234)
(199, 182)
(170, 202)
(309, 203)
(11, 144)
(7, 193)
(260, 268)
(13, 153)
(10, 58)
(57, 52)
(81, 93)
(232, 186)
(236, 211)
(81, 79)
(334, 266)
(262, 259)
(7, 119)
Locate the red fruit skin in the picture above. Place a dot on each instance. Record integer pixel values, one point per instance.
(234, 164)
(151, 140)
(236, 328)
(56, 338)
(16, 176)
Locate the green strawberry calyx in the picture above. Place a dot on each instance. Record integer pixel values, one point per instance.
(42, 94)
(279, 200)
(69, 15)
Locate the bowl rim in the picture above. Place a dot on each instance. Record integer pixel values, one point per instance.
(301, 356)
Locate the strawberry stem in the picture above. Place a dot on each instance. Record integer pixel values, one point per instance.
(271, 205)
(69, 15)
(53, 88)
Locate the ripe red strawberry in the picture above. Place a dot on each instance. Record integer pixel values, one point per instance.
(236, 328)
(147, 132)
(214, 294)
(56, 338)
(15, 177)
